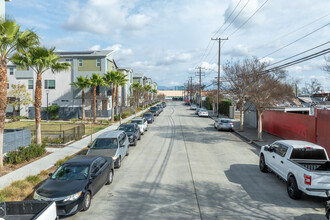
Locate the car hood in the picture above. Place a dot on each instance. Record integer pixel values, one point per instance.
(130, 133)
(61, 188)
(102, 152)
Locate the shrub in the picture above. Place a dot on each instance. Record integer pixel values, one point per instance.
(2, 198)
(116, 117)
(21, 184)
(53, 111)
(33, 179)
(43, 173)
(24, 154)
(224, 107)
(61, 161)
(55, 141)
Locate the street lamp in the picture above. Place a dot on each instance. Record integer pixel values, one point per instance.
(47, 92)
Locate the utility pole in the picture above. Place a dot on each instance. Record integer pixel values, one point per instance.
(218, 92)
(200, 86)
(190, 88)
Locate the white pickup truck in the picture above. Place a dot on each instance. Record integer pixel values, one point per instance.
(303, 165)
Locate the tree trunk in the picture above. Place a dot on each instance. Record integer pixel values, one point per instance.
(3, 104)
(241, 111)
(117, 99)
(94, 104)
(14, 114)
(83, 104)
(37, 108)
(112, 104)
(259, 126)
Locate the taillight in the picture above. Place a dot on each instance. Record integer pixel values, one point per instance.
(220, 123)
(231, 124)
(308, 179)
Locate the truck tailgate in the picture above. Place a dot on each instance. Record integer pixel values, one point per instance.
(320, 180)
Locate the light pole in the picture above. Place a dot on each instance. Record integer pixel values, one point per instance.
(47, 92)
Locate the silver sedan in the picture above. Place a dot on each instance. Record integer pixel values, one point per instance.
(223, 124)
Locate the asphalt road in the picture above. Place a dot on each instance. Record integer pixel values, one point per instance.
(184, 169)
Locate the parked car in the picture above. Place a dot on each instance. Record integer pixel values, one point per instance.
(154, 110)
(75, 182)
(193, 107)
(164, 104)
(203, 113)
(114, 144)
(224, 124)
(149, 117)
(142, 123)
(28, 209)
(132, 131)
(160, 107)
(197, 110)
(304, 166)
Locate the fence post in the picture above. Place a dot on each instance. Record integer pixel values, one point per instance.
(63, 137)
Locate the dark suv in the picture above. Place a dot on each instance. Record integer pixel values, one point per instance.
(154, 110)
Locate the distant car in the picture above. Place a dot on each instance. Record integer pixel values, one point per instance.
(142, 123)
(132, 131)
(160, 107)
(149, 117)
(223, 124)
(197, 110)
(114, 144)
(193, 107)
(154, 110)
(164, 104)
(75, 182)
(203, 113)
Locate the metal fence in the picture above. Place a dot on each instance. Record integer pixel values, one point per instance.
(15, 138)
(60, 133)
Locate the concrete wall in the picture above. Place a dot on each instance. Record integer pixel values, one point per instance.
(15, 138)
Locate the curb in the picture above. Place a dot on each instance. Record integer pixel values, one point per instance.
(247, 139)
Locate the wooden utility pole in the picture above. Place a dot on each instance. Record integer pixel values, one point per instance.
(190, 88)
(218, 92)
(200, 86)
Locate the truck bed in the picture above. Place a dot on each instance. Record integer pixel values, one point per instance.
(313, 165)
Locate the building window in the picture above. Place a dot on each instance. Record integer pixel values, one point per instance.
(30, 84)
(98, 62)
(49, 84)
(80, 62)
(11, 71)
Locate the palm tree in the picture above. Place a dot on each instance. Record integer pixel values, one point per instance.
(147, 89)
(154, 91)
(94, 81)
(137, 89)
(82, 83)
(110, 78)
(40, 59)
(12, 39)
(121, 81)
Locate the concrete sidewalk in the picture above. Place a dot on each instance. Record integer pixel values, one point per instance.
(250, 133)
(48, 161)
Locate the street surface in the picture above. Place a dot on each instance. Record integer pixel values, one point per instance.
(184, 169)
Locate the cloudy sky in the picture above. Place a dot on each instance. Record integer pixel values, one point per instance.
(167, 39)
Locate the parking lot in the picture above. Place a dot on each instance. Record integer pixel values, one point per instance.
(184, 169)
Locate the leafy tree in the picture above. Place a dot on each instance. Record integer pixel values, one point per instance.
(40, 59)
(82, 83)
(11, 39)
(94, 81)
(19, 97)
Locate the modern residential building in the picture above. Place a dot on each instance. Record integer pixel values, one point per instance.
(3, 8)
(127, 91)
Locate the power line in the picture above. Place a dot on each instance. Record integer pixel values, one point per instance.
(248, 18)
(300, 53)
(291, 32)
(306, 35)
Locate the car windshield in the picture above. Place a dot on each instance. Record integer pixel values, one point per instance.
(153, 108)
(225, 121)
(203, 110)
(139, 122)
(71, 172)
(105, 143)
(147, 115)
(126, 128)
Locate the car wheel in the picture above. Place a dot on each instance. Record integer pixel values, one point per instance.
(139, 137)
(119, 162)
(110, 177)
(87, 201)
(292, 188)
(135, 141)
(262, 164)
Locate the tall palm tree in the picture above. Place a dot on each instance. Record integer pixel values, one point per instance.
(121, 81)
(82, 83)
(110, 79)
(40, 59)
(137, 89)
(154, 91)
(11, 39)
(94, 81)
(147, 89)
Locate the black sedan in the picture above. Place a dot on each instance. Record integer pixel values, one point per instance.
(149, 117)
(75, 182)
(132, 131)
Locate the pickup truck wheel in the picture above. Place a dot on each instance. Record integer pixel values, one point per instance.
(293, 189)
(262, 164)
(119, 162)
(87, 201)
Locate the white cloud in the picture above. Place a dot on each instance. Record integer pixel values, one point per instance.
(95, 47)
(238, 51)
(268, 60)
(174, 58)
(172, 83)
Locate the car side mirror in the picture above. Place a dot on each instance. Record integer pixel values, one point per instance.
(50, 174)
(266, 148)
